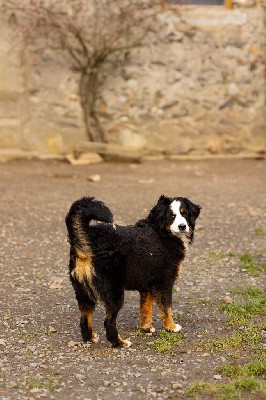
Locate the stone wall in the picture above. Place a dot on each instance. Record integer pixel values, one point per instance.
(202, 89)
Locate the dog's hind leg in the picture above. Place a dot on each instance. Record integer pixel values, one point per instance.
(111, 329)
(146, 300)
(164, 301)
(88, 335)
(86, 306)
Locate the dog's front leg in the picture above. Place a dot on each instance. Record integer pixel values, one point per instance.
(146, 300)
(164, 301)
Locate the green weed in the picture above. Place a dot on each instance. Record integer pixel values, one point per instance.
(251, 304)
(259, 231)
(49, 383)
(248, 263)
(250, 335)
(40, 278)
(219, 255)
(226, 391)
(27, 337)
(251, 369)
(167, 342)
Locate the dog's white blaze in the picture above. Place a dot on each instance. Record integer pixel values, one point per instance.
(179, 219)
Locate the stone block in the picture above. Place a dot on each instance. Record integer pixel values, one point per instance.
(84, 159)
(110, 152)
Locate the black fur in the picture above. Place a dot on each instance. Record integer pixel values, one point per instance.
(106, 259)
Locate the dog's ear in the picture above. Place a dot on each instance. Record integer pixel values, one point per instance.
(164, 200)
(158, 213)
(194, 209)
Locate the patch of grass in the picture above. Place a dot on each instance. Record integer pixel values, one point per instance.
(27, 337)
(251, 369)
(28, 354)
(222, 344)
(251, 304)
(5, 316)
(226, 391)
(167, 342)
(139, 332)
(249, 263)
(250, 335)
(49, 383)
(219, 255)
(208, 303)
(40, 278)
(259, 230)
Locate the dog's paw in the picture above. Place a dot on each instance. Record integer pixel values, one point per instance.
(148, 329)
(126, 344)
(122, 343)
(175, 328)
(94, 337)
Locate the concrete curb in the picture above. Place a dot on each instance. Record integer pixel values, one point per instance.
(9, 155)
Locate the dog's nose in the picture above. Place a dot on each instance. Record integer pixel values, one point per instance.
(182, 227)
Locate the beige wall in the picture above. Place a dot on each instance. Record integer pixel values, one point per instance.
(202, 90)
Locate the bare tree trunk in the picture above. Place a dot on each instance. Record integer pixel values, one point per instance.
(88, 91)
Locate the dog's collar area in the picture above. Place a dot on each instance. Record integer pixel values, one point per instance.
(184, 237)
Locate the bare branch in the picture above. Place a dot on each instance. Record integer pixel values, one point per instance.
(92, 34)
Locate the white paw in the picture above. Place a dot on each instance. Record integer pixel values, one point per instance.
(95, 337)
(148, 329)
(126, 344)
(177, 328)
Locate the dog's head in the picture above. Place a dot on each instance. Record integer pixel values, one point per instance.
(175, 216)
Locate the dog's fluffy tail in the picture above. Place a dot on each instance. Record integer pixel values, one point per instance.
(80, 214)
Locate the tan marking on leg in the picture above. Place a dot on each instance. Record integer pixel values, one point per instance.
(146, 300)
(88, 315)
(167, 319)
(179, 268)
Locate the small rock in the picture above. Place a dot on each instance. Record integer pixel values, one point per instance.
(35, 390)
(57, 283)
(200, 227)
(215, 146)
(253, 212)
(233, 89)
(51, 329)
(2, 342)
(84, 159)
(177, 385)
(79, 377)
(227, 300)
(217, 377)
(72, 344)
(94, 178)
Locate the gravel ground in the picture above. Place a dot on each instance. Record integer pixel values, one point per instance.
(41, 354)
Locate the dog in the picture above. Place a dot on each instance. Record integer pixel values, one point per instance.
(107, 259)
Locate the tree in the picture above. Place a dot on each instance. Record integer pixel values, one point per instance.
(96, 36)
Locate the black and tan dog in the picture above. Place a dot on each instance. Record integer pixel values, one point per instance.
(107, 259)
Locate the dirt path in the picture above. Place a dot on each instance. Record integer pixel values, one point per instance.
(41, 355)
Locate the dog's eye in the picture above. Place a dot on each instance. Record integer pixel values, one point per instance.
(182, 211)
